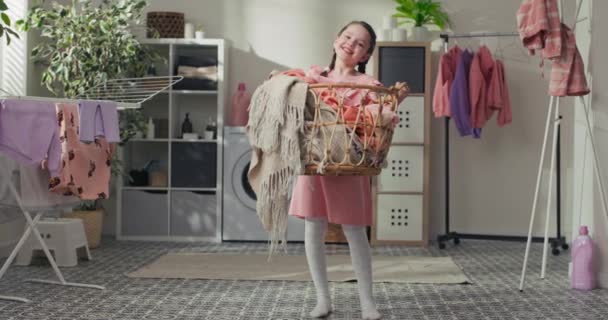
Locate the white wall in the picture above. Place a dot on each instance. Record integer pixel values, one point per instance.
(588, 209)
(492, 178)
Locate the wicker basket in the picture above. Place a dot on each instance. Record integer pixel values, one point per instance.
(93, 225)
(165, 24)
(374, 137)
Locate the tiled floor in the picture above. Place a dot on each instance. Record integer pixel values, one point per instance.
(493, 267)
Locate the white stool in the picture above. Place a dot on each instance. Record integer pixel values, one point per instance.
(62, 236)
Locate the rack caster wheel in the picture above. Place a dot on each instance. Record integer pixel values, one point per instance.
(456, 240)
(555, 251)
(441, 245)
(565, 246)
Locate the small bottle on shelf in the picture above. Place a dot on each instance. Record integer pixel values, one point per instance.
(210, 129)
(150, 129)
(186, 125)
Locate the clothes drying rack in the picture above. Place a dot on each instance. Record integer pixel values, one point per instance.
(556, 243)
(128, 93)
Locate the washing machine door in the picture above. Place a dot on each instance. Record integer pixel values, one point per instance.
(240, 182)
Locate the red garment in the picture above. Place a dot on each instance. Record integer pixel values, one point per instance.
(498, 95)
(480, 78)
(539, 27)
(443, 84)
(568, 72)
(351, 113)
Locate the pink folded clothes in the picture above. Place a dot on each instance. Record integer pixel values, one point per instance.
(387, 117)
(29, 132)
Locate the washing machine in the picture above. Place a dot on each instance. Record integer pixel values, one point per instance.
(240, 220)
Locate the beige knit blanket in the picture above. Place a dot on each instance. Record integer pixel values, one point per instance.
(276, 121)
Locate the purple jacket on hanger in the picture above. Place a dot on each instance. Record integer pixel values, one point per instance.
(460, 105)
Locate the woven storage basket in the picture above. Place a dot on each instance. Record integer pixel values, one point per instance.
(374, 136)
(93, 225)
(165, 24)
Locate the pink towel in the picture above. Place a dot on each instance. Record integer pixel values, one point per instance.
(568, 72)
(539, 27)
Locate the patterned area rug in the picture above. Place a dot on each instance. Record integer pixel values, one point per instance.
(194, 265)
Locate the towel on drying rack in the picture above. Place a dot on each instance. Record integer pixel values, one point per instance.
(31, 183)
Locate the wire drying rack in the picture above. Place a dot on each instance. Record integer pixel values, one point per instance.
(128, 93)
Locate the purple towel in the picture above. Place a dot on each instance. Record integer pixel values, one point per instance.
(98, 118)
(29, 132)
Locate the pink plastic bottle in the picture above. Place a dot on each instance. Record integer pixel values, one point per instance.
(239, 115)
(583, 261)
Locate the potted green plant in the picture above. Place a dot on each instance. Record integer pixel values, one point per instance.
(5, 24)
(421, 13)
(86, 45)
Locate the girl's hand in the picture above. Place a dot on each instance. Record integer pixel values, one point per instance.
(402, 90)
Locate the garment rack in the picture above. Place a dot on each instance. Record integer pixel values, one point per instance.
(559, 241)
(128, 93)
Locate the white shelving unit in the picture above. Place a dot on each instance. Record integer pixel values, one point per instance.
(401, 191)
(188, 207)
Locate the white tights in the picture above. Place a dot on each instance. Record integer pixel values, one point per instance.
(314, 243)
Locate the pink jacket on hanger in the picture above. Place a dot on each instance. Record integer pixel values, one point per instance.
(480, 76)
(498, 95)
(443, 84)
(538, 25)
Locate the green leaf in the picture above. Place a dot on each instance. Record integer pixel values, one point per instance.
(3, 6)
(421, 12)
(5, 18)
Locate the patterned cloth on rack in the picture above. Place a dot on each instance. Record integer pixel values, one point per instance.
(568, 72)
(539, 27)
(85, 166)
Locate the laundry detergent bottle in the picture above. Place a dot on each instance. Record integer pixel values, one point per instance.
(583, 261)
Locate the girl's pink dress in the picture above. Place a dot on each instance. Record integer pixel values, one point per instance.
(342, 199)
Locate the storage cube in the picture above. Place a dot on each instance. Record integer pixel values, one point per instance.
(399, 217)
(405, 170)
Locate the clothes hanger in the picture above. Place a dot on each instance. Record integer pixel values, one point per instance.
(501, 47)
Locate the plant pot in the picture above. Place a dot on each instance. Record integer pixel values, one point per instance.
(420, 34)
(93, 224)
(199, 35)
